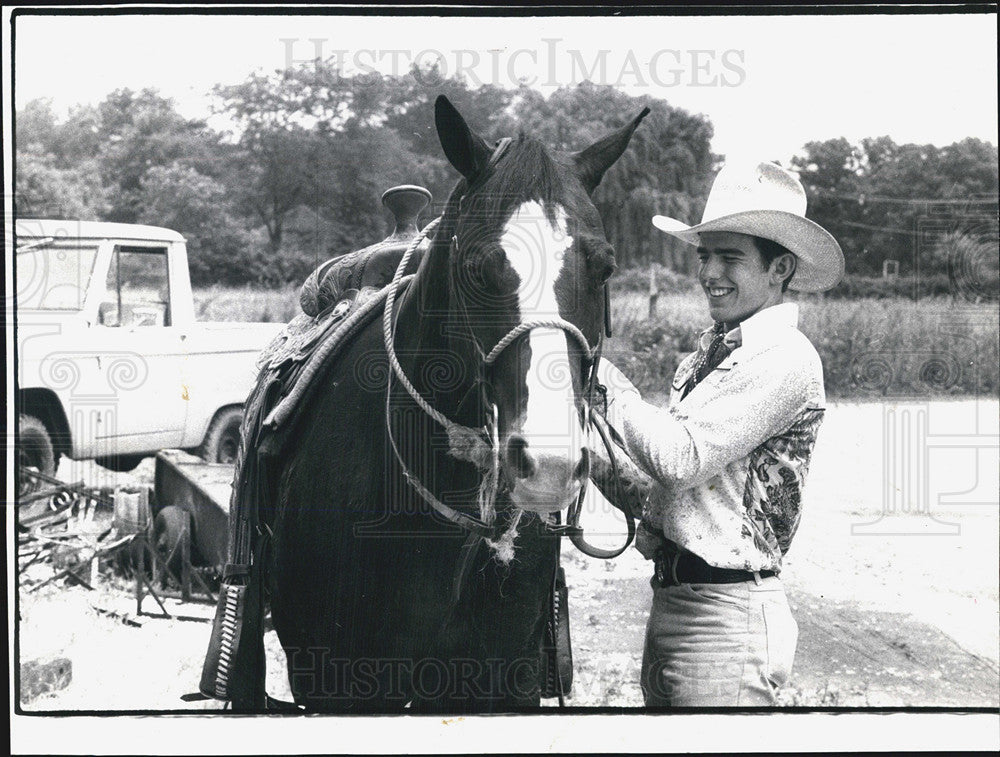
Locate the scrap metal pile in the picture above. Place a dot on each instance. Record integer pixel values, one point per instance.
(64, 530)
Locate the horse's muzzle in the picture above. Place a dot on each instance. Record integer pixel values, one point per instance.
(544, 478)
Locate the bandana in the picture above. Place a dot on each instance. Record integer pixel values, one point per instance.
(714, 345)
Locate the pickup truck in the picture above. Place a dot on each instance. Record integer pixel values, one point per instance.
(112, 363)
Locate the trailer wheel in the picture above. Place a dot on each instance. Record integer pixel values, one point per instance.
(35, 452)
(120, 463)
(171, 528)
(222, 440)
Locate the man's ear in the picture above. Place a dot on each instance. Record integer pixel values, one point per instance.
(782, 268)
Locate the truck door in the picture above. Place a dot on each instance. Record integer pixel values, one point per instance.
(144, 352)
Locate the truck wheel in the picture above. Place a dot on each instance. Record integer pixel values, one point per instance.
(222, 440)
(171, 527)
(35, 452)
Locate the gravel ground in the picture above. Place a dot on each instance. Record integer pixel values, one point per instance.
(902, 611)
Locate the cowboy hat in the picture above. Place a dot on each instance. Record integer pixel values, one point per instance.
(765, 200)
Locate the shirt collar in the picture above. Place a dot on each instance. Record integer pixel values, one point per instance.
(758, 329)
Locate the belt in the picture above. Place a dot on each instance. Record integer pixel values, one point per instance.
(676, 566)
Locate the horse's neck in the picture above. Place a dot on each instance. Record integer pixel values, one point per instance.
(426, 329)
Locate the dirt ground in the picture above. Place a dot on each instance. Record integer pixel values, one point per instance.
(895, 608)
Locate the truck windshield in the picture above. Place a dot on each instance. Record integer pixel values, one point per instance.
(52, 275)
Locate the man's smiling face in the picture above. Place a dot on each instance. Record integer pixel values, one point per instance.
(733, 276)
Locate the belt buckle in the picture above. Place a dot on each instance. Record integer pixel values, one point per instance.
(661, 576)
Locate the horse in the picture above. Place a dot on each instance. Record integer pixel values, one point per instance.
(411, 565)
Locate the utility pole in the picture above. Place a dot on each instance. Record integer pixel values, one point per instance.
(654, 293)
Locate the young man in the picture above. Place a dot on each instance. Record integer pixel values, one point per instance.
(728, 457)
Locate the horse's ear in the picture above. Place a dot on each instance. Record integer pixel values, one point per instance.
(465, 150)
(592, 162)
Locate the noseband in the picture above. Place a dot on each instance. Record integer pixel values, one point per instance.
(481, 445)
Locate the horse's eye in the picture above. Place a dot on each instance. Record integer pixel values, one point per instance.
(602, 263)
(608, 268)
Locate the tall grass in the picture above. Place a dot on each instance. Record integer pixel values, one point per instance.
(218, 303)
(874, 348)
(871, 348)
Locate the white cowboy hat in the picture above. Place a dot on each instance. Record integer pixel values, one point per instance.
(765, 200)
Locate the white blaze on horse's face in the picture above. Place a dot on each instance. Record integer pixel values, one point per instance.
(545, 446)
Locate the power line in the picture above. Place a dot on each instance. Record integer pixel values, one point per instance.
(889, 229)
(879, 228)
(863, 198)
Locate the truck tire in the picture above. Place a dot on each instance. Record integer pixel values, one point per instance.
(34, 451)
(222, 440)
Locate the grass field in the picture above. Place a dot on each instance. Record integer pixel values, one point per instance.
(871, 348)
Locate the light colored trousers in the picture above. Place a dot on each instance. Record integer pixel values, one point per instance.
(718, 645)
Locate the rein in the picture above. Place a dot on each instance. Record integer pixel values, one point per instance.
(481, 446)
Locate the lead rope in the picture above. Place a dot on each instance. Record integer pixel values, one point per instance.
(464, 442)
(468, 441)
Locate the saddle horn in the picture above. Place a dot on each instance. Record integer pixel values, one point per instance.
(405, 202)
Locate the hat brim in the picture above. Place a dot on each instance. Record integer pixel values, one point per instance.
(820, 264)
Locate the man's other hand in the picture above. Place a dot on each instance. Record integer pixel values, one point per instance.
(617, 383)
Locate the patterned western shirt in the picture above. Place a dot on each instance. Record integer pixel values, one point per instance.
(730, 459)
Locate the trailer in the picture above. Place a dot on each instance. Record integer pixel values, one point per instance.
(182, 529)
(185, 484)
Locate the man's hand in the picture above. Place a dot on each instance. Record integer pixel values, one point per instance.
(629, 489)
(617, 383)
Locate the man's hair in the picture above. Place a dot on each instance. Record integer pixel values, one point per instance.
(770, 251)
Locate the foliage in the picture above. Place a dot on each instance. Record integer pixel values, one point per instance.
(219, 248)
(903, 349)
(665, 169)
(137, 132)
(298, 177)
(886, 201)
(870, 348)
(45, 190)
(247, 304)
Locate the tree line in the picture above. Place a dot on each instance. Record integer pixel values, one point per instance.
(295, 177)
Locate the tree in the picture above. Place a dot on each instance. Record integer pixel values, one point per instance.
(832, 173)
(879, 199)
(43, 190)
(665, 169)
(138, 131)
(313, 138)
(220, 247)
(35, 127)
(272, 169)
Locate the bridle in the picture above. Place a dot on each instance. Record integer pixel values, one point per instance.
(481, 446)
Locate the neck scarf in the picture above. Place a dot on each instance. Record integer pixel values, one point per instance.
(715, 345)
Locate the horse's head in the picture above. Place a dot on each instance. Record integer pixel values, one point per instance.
(528, 249)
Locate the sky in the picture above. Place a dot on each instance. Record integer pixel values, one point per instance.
(768, 84)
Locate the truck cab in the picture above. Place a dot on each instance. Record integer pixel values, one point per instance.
(111, 362)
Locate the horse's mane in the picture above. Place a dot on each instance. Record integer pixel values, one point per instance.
(527, 172)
